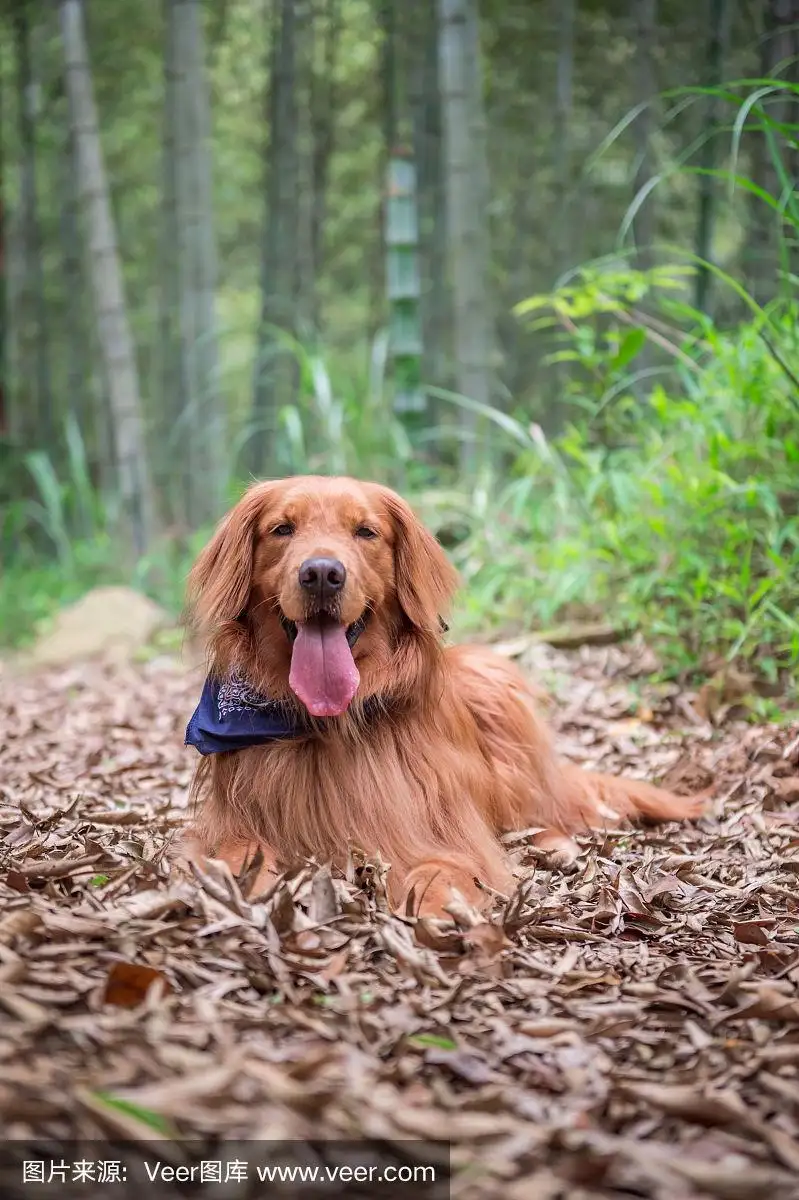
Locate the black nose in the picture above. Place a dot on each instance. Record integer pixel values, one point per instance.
(323, 576)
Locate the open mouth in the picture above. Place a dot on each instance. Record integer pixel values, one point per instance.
(323, 673)
(352, 633)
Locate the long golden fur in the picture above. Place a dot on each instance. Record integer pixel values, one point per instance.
(455, 753)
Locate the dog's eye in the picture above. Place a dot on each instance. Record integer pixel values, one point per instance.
(285, 530)
(363, 531)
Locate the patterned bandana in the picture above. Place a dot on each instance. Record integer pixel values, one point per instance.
(231, 715)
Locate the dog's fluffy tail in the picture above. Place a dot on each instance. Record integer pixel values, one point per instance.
(614, 799)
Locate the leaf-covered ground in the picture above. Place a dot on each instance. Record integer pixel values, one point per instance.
(631, 1029)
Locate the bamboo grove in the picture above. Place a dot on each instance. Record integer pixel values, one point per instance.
(195, 219)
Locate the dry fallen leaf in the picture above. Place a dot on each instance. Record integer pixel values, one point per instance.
(128, 984)
(787, 789)
(626, 1030)
(752, 933)
(324, 904)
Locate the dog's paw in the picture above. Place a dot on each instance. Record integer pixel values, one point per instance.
(555, 851)
(249, 862)
(432, 888)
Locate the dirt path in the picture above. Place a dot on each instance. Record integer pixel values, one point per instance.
(631, 1030)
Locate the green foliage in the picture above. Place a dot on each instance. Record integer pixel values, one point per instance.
(425, 1041)
(679, 515)
(671, 499)
(144, 1116)
(600, 311)
(342, 419)
(34, 586)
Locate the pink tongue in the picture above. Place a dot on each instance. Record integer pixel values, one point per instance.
(323, 672)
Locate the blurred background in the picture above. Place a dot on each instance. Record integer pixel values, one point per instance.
(532, 262)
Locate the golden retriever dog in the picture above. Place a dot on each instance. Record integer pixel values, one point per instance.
(334, 715)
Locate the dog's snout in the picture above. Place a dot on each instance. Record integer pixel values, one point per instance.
(322, 576)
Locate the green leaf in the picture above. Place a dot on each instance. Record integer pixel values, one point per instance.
(531, 305)
(763, 588)
(422, 1041)
(631, 345)
(154, 1120)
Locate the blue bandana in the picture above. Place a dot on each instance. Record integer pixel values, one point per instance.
(231, 715)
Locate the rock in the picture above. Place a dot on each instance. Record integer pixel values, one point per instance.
(108, 622)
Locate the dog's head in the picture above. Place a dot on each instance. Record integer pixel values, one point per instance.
(322, 588)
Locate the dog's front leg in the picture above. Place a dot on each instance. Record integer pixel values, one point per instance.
(429, 887)
(252, 863)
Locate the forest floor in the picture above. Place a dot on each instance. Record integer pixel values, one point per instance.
(631, 1029)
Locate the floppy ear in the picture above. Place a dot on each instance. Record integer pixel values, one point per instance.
(426, 579)
(221, 579)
